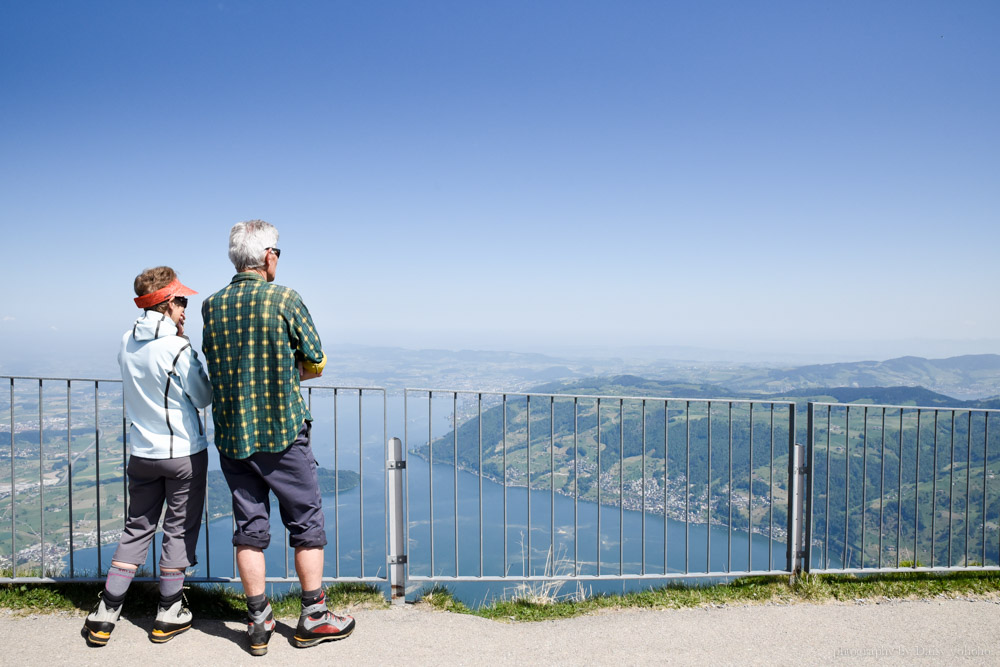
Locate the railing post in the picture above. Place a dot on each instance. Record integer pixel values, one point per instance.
(796, 503)
(397, 522)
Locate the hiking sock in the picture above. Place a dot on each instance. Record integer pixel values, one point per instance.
(171, 588)
(256, 604)
(116, 586)
(310, 598)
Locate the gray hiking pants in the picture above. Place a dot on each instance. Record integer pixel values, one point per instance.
(180, 483)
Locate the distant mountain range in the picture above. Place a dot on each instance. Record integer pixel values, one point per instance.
(965, 377)
(631, 385)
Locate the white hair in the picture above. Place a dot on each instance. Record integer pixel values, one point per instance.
(248, 243)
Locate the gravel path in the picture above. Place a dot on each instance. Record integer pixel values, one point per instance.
(939, 631)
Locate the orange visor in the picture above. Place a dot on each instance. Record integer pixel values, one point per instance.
(175, 288)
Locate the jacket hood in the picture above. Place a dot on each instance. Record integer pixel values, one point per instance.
(152, 325)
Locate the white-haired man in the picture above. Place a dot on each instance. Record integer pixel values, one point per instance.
(257, 336)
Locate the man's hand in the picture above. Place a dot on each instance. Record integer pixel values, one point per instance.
(306, 375)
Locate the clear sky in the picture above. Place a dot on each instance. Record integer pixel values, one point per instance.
(505, 175)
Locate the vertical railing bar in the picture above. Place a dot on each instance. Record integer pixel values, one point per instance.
(361, 480)
(934, 500)
(406, 477)
(336, 484)
(666, 458)
(770, 487)
(385, 481)
(454, 430)
(810, 490)
(916, 493)
(794, 489)
(13, 507)
(69, 471)
(236, 571)
(621, 486)
(97, 478)
(41, 480)
(430, 470)
(687, 486)
(708, 497)
(125, 456)
(951, 488)
(864, 485)
(576, 489)
(750, 498)
(968, 484)
(826, 522)
(881, 494)
(552, 480)
(986, 465)
(479, 404)
(847, 482)
(208, 518)
(527, 455)
(598, 486)
(899, 493)
(729, 546)
(504, 441)
(642, 530)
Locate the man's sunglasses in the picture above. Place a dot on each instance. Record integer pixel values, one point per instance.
(276, 251)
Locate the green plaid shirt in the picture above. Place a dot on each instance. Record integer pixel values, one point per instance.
(254, 334)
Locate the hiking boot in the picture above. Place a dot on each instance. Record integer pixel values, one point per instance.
(318, 624)
(260, 626)
(101, 622)
(171, 621)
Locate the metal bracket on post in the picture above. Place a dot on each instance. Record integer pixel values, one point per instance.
(397, 522)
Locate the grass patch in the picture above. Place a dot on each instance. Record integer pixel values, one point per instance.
(206, 600)
(748, 590)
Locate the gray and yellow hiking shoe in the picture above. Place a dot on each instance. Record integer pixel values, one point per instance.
(318, 624)
(101, 622)
(171, 621)
(260, 627)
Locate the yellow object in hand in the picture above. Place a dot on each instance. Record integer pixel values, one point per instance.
(310, 367)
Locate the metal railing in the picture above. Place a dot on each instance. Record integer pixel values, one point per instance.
(494, 486)
(68, 490)
(901, 488)
(714, 484)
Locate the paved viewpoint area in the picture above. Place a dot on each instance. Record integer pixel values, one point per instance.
(938, 631)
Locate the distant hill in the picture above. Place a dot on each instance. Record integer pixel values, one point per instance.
(966, 377)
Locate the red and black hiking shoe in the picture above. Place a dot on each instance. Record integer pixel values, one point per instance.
(318, 624)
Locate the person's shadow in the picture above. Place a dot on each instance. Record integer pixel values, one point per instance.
(238, 635)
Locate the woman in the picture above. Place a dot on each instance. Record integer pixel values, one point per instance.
(164, 384)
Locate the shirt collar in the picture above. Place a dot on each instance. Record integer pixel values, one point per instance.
(248, 275)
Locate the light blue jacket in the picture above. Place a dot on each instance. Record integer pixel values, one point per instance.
(164, 384)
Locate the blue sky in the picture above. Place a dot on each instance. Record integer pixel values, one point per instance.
(810, 176)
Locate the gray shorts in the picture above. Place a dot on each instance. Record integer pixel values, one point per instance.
(291, 475)
(180, 483)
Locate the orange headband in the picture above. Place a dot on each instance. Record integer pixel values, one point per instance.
(175, 288)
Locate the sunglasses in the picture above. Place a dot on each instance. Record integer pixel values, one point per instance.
(276, 251)
(181, 301)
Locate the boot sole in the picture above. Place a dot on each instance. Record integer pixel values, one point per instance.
(162, 637)
(95, 639)
(299, 642)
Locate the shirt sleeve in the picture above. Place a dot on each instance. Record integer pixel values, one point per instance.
(304, 339)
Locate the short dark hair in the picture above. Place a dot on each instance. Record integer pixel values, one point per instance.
(153, 279)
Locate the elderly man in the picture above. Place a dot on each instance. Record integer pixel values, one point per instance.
(258, 341)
